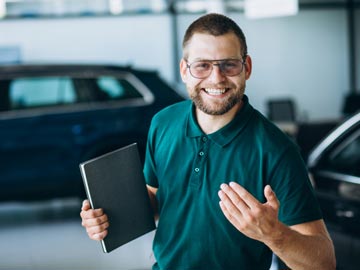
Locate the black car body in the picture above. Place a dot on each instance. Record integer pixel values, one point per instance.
(335, 169)
(52, 117)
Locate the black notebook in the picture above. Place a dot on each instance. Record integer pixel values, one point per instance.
(115, 182)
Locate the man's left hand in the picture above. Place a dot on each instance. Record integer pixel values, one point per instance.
(252, 218)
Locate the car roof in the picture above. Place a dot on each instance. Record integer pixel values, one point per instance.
(316, 153)
(18, 70)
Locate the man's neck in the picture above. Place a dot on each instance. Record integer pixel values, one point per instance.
(212, 123)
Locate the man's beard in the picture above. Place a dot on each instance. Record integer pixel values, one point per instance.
(220, 107)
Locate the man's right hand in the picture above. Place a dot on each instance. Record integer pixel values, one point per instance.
(94, 221)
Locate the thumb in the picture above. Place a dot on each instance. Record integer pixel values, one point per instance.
(271, 197)
(85, 205)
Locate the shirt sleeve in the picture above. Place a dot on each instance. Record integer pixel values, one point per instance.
(149, 165)
(290, 181)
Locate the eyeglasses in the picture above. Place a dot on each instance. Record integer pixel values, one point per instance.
(203, 68)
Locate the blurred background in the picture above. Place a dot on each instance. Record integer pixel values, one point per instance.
(79, 78)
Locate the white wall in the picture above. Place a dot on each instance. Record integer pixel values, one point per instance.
(142, 41)
(304, 57)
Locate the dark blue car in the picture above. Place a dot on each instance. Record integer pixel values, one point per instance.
(52, 117)
(334, 165)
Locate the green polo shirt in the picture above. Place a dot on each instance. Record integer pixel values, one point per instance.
(188, 167)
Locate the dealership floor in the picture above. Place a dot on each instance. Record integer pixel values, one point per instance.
(49, 236)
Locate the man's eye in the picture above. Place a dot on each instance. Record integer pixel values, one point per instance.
(230, 64)
(202, 65)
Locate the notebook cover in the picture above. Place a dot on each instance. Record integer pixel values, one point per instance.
(115, 182)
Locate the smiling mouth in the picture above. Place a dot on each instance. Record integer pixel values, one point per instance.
(215, 91)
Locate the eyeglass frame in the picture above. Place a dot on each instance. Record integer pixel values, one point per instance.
(243, 62)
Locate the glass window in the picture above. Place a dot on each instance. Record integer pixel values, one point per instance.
(116, 88)
(38, 8)
(346, 157)
(43, 91)
(111, 86)
(36, 92)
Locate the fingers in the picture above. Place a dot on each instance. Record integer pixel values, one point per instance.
(246, 196)
(251, 217)
(94, 220)
(271, 198)
(231, 198)
(233, 207)
(99, 236)
(91, 213)
(85, 205)
(240, 197)
(97, 232)
(232, 218)
(227, 204)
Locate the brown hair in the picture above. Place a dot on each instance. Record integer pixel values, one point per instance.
(216, 25)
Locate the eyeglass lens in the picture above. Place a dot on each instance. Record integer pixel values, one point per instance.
(229, 67)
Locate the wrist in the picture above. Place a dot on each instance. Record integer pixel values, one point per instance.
(278, 238)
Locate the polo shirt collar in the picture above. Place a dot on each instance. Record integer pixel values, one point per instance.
(226, 134)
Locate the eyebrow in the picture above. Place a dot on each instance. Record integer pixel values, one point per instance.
(223, 59)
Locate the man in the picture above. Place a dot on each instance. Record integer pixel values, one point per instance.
(216, 145)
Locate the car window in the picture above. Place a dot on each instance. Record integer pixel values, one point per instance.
(104, 88)
(346, 157)
(111, 86)
(35, 92)
(117, 88)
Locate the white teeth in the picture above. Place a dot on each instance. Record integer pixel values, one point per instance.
(213, 91)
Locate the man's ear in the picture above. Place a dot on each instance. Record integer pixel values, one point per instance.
(183, 70)
(248, 67)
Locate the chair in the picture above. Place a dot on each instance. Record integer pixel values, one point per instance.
(281, 110)
(282, 113)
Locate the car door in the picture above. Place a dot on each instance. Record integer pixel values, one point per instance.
(337, 184)
(36, 142)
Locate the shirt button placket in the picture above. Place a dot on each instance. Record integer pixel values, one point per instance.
(199, 163)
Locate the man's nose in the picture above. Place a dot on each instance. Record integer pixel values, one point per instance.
(216, 74)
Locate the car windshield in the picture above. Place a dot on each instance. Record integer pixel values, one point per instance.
(346, 158)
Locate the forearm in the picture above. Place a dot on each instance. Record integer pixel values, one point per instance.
(152, 195)
(300, 251)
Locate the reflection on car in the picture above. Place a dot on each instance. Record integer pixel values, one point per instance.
(335, 169)
(52, 117)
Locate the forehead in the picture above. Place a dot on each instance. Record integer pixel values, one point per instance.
(206, 46)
